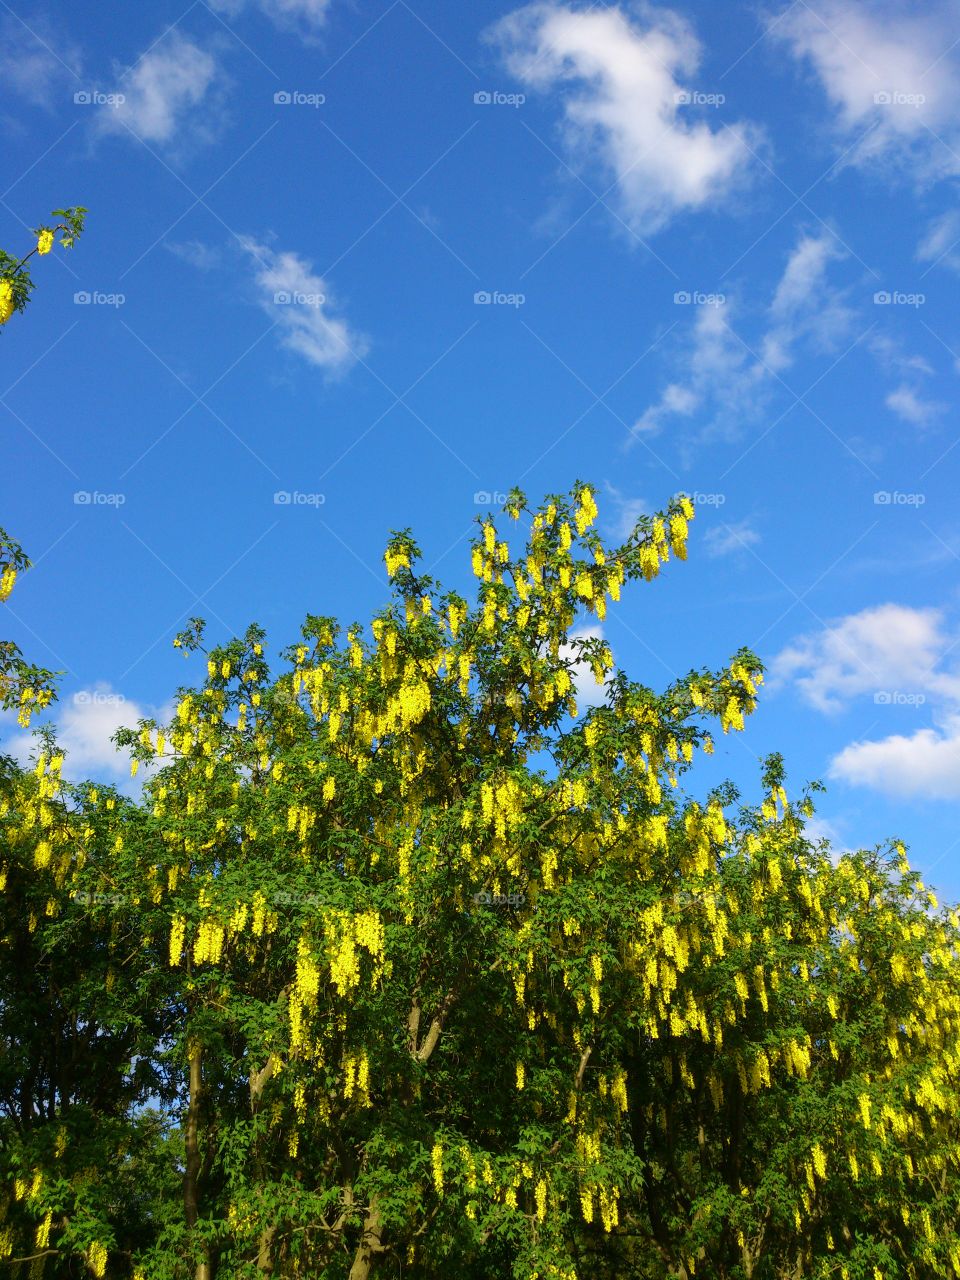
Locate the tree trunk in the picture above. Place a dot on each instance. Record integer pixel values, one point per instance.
(191, 1195)
(370, 1243)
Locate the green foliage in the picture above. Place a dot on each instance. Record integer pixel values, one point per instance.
(16, 284)
(358, 988)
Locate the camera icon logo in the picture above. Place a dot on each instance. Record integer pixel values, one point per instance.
(282, 297)
(82, 298)
(282, 98)
(682, 98)
(483, 98)
(482, 298)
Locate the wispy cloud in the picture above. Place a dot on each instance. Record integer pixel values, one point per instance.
(891, 72)
(204, 257)
(36, 62)
(628, 512)
(907, 403)
(941, 241)
(621, 81)
(723, 539)
(729, 380)
(300, 304)
(166, 95)
(305, 16)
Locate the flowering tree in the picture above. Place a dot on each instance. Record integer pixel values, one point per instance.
(15, 282)
(404, 965)
(22, 685)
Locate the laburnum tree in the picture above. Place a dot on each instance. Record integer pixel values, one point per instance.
(405, 966)
(16, 284)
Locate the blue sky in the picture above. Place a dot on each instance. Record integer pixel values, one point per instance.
(384, 257)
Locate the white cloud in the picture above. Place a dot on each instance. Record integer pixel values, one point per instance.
(907, 404)
(36, 63)
(890, 74)
(663, 159)
(941, 242)
(588, 692)
(887, 649)
(164, 94)
(85, 722)
(805, 305)
(888, 353)
(925, 765)
(303, 15)
(306, 321)
(724, 379)
(898, 654)
(722, 539)
(674, 399)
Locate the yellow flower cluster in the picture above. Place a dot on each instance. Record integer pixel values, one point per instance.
(307, 981)
(357, 1077)
(42, 1236)
(208, 946)
(44, 241)
(396, 560)
(609, 1208)
(7, 579)
(501, 805)
(436, 1159)
(586, 511)
(6, 305)
(178, 929)
(97, 1258)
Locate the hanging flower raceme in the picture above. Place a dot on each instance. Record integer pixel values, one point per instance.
(7, 306)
